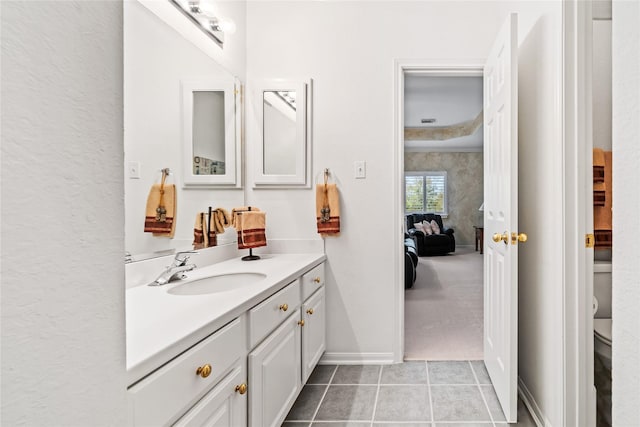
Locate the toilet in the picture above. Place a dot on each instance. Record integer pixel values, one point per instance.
(602, 340)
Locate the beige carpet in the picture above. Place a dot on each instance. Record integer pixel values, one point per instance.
(444, 309)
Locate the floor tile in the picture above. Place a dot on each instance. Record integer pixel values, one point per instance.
(404, 373)
(357, 374)
(403, 403)
(481, 372)
(463, 425)
(492, 403)
(348, 403)
(458, 403)
(402, 425)
(457, 372)
(307, 402)
(321, 374)
(340, 424)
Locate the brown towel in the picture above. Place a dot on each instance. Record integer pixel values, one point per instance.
(202, 238)
(602, 215)
(221, 220)
(161, 210)
(598, 165)
(599, 193)
(235, 211)
(251, 229)
(327, 197)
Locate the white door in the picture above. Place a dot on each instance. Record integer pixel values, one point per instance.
(274, 374)
(313, 332)
(501, 216)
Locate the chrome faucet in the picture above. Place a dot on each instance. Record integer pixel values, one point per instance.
(176, 270)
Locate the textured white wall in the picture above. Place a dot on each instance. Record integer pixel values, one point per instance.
(63, 345)
(156, 58)
(351, 63)
(626, 223)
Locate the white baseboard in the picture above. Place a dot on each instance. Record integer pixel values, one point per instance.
(532, 406)
(330, 358)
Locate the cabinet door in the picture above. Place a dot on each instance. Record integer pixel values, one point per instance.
(223, 406)
(274, 374)
(313, 332)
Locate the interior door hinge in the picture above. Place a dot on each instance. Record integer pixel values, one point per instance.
(589, 240)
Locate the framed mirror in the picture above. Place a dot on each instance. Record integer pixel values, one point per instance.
(157, 60)
(210, 149)
(282, 155)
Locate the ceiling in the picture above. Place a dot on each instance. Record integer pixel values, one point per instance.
(453, 102)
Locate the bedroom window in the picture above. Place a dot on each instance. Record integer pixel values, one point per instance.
(425, 192)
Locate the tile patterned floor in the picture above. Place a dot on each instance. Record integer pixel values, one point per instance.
(410, 394)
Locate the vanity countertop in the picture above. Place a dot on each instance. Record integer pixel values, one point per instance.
(160, 325)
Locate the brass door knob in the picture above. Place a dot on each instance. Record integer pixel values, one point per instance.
(504, 237)
(284, 307)
(301, 322)
(515, 238)
(242, 388)
(317, 279)
(310, 311)
(204, 371)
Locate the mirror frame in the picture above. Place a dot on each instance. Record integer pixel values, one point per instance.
(232, 176)
(303, 147)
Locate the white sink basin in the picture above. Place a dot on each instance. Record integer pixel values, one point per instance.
(217, 284)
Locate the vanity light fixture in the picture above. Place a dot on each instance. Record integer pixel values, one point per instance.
(203, 14)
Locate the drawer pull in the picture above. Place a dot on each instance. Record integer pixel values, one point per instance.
(204, 371)
(301, 322)
(284, 307)
(310, 311)
(242, 388)
(317, 279)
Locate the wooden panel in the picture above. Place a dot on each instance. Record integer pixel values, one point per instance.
(267, 315)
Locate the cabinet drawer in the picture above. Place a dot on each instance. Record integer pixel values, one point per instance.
(270, 313)
(312, 280)
(163, 396)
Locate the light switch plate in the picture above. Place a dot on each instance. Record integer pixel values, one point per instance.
(360, 169)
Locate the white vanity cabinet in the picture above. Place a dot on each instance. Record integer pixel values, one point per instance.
(281, 364)
(248, 372)
(166, 394)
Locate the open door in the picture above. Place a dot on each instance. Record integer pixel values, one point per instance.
(501, 216)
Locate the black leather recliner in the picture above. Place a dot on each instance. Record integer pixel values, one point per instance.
(410, 261)
(434, 244)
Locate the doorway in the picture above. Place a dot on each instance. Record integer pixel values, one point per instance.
(443, 175)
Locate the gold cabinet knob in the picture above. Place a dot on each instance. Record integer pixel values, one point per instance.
(242, 388)
(310, 311)
(284, 307)
(204, 371)
(504, 237)
(317, 279)
(301, 322)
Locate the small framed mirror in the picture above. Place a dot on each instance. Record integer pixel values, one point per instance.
(211, 151)
(283, 150)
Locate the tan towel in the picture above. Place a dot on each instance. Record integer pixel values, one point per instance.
(251, 229)
(235, 211)
(599, 193)
(602, 215)
(327, 197)
(221, 220)
(598, 165)
(161, 210)
(201, 237)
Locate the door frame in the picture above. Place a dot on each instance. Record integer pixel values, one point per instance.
(462, 68)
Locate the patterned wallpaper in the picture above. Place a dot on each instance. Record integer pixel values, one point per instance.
(464, 187)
